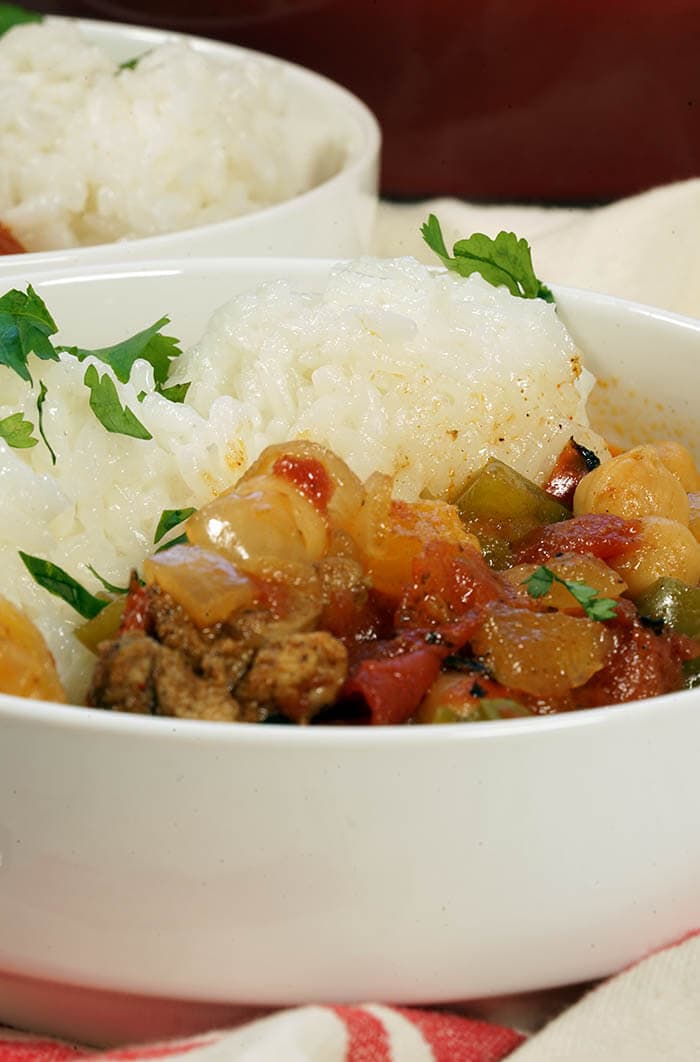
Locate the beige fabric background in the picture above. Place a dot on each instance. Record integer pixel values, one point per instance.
(646, 248)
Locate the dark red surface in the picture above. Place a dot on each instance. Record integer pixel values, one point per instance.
(487, 99)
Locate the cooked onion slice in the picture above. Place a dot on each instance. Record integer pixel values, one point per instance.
(262, 518)
(347, 494)
(543, 653)
(575, 568)
(207, 586)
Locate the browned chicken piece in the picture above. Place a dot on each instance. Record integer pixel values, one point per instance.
(135, 673)
(221, 654)
(295, 676)
(233, 671)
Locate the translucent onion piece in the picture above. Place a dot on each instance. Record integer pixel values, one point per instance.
(544, 653)
(575, 568)
(261, 518)
(372, 522)
(348, 495)
(293, 594)
(207, 586)
(390, 555)
(27, 668)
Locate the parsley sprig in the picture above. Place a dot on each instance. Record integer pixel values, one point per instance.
(12, 15)
(17, 431)
(61, 584)
(169, 519)
(596, 608)
(26, 328)
(506, 260)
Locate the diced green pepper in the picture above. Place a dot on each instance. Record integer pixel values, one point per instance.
(691, 673)
(500, 506)
(676, 603)
(103, 626)
(486, 709)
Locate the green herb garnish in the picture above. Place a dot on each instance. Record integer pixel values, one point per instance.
(40, 416)
(13, 15)
(596, 608)
(109, 587)
(17, 432)
(506, 260)
(105, 404)
(25, 327)
(174, 393)
(148, 345)
(169, 519)
(61, 584)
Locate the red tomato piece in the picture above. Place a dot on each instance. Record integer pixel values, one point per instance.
(308, 476)
(394, 684)
(573, 463)
(136, 608)
(8, 243)
(600, 534)
(450, 581)
(642, 664)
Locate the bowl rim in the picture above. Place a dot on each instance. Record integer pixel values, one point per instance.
(70, 716)
(366, 154)
(99, 721)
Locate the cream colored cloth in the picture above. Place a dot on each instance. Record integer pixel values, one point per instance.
(646, 248)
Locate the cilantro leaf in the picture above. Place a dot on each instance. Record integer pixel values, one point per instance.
(17, 432)
(596, 608)
(506, 260)
(61, 584)
(540, 582)
(179, 540)
(176, 392)
(148, 345)
(110, 587)
(105, 404)
(12, 15)
(25, 325)
(40, 411)
(169, 519)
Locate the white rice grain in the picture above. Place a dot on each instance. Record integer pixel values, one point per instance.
(416, 373)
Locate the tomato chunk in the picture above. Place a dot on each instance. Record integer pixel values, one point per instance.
(642, 663)
(394, 685)
(601, 534)
(8, 243)
(450, 581)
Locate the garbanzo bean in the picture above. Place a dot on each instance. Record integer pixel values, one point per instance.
(694, 521)
(662, 547)
(679, 460)
(633, 484)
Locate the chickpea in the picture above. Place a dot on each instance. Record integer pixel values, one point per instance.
(662, 547)
(633, 484)
(27, 668)
(694, 523)
(679, 460)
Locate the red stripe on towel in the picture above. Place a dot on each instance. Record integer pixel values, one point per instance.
(455, 1039)
(367, 1037)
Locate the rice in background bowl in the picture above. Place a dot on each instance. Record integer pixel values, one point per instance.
(396, 367)
(197, 147)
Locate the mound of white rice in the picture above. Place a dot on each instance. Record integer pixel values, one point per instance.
(397, 368)
(92, 153)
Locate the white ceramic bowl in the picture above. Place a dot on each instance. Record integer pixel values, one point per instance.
(334, 219)
(156, 873)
